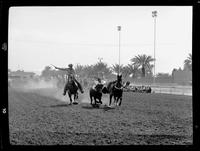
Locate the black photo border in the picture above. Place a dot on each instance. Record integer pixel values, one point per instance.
(4, 14)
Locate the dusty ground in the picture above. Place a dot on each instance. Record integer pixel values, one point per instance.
(43, 117)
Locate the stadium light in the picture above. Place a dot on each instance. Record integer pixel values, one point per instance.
(154, 15)
(119, 29)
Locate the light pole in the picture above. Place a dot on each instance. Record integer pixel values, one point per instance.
(154, 15)
(119, 29)
(100, 63)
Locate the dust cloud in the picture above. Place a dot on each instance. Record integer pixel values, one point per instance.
(48, 89)
(40, 84)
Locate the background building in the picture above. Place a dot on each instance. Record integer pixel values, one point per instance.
(182, 76)
(20, 74)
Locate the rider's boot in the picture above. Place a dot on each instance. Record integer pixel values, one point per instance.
(81, 90)
(80, 87)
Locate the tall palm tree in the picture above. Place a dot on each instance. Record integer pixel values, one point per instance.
(115, 68)
(143, 62)
(134, 70)
(188, 62)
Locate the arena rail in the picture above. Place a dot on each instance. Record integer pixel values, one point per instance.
(179, 90)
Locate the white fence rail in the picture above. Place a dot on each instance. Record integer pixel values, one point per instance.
(172, 90)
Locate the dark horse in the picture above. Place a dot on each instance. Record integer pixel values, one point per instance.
(96, 94)
(72, 90)
(115, 89)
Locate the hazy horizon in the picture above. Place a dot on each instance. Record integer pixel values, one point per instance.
(40, 36)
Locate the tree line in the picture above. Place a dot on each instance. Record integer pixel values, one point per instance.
(140, 65)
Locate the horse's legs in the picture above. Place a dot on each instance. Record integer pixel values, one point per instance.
(90, 99)
(110, 99)
(100, 100)
(115, 100)
(75, 97)
(120, 101)
(95, 101)
(69, 94)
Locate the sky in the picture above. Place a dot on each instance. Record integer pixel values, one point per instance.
(40, 36)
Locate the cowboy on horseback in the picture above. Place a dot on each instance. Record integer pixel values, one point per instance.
(70, 75)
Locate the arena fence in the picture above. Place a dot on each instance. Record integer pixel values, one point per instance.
(180, 90)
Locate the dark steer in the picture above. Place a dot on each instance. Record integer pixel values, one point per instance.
(96, 94)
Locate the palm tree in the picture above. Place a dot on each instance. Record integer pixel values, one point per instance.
(115, 68)
(143, 62)
(188, 62)
(133, 69)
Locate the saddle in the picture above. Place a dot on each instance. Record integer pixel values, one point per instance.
(72, 81)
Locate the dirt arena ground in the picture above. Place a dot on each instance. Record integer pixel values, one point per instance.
(43, 117)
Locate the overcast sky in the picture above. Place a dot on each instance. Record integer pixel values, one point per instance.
(40, 36)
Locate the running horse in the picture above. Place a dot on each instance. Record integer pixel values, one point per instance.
(72, 90)
(115, 89)
(96, 94)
